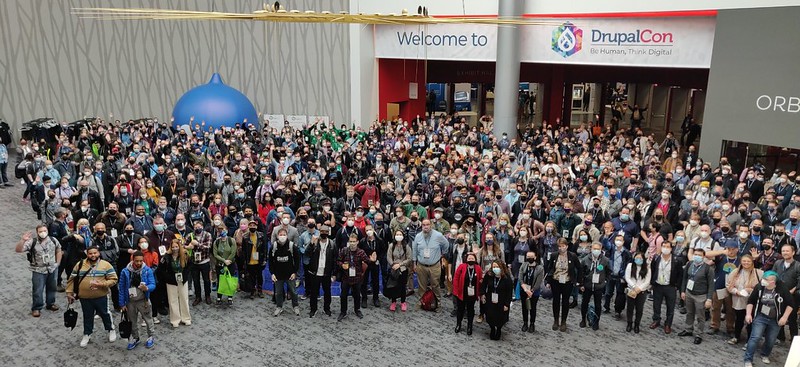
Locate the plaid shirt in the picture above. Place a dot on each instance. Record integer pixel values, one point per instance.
(203, 247)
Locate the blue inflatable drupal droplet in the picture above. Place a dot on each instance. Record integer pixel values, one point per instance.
(215, 103)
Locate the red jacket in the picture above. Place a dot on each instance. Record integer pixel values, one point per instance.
(458, 281)
(368, 193)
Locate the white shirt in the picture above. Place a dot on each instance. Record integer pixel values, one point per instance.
(664, 271)
(323, 247)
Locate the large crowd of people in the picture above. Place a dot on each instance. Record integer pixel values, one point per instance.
(599, 218)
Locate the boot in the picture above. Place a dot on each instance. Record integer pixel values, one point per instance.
(469, 328)
(636, 328)
(555, 325)
(525, 327)
(629, 328)
(458, 328)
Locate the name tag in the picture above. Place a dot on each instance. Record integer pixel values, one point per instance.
(471, 291)
(133, 292)
(255, 256)
(495, 298)
(426, 253)
(521, 259)
(765, 310)
(113, 232)
(565, 233)
(690, 285)
(562, 279)
(197, 256)
(596, 278)
(179, 278)
(351, 271)
(162, 250)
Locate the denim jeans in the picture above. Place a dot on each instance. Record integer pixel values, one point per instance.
(92, 306)
(43, 283)
(279, 290)
(766, 327)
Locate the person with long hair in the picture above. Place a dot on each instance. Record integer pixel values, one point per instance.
(637, 276)
(530, 277)
(466, 290)
(740, 284)
(490, 252)
(563, 273)
(496, 289)
(398, 256)
(175, 267)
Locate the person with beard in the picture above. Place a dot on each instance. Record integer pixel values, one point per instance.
(142, 223)
(90, 282)
(109, 252)
(321, 253)
(112, 219)
(127, 242)
(159, 239)
(138, 281)
(353, 262)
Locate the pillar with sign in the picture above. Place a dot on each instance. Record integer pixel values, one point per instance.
(506, 81)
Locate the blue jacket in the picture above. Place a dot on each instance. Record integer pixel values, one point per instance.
(125, 283)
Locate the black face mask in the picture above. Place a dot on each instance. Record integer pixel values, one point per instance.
(253, 230)
(100, 233)
(530, 260)
(323, 236)
(471, 262)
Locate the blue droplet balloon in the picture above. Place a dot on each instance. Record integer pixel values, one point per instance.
(215, 103)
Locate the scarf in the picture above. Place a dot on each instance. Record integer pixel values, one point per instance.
(87, 237)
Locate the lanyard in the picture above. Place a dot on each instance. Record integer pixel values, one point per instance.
(496, 283)
(696, 269)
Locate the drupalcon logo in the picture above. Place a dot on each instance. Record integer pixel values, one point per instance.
(567, 39)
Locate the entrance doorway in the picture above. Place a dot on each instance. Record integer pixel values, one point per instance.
(741, 155)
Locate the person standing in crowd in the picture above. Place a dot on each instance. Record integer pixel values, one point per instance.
(697, 287)
(788, 270)
(44, 256)
(596, 271)
(353, 262)
(284, 264)
(666, 272)
(619, 258)
(224, 252)
(254, 249)
(200, 243)
(637, 278)
(466, 290)
(137, 282)
(427, 249)
(769, 308)
(373, 247)
(563, 273)
(399, 259)
(740, 284)
(93, 292)
(531, 277)
(321, 253)
(496, 289)
(723, 266)
(175, 267)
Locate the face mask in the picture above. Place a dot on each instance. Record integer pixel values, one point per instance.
(217, 222)
(584, 238)
(489, 241)
(562, 250)
(437, 216)
(370, 233)
(595, 253)
(282, 238)
(453, 231)
(693, 222)
(664, 196)
(697, 259)
(764, 282)
(471, 262)
(619, 243)
(624, 217)
(666, 251)
(679, 238)
(766, 248)
(638, 261)
(703, 234)
(496, 271)
(143, 245)
(530, 260)
(398, 238)
(549, 230)
(198, 230)
(285, 221)
(223, 233)
(43, 234)
(351, 223)
(159, 227)
(180, 223)
(523, 233)
(743, 235)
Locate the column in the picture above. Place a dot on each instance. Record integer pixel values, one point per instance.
(506, 84)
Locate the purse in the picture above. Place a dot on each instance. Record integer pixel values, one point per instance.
(125, 326)
(70, 317)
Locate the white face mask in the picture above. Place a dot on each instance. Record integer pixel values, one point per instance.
(42, 234)
(453, 231)
(285, 221)
(523, 233)
(666, 251)
(398, 238)
(437, 216)
(350, 223)
(370, 233)
(619, 243)
(764, 283)
(180, 223)
(282, 238)
(217, 222)
(143, 245)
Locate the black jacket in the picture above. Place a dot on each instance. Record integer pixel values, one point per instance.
(261, 248)
(376, 245)
(676, 271)
(168, 273)
(284, 260)
(312, 251)
(573, 268)
(782, 301)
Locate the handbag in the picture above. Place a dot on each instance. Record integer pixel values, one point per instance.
(227, 283)
(70, 317)
(125, 326)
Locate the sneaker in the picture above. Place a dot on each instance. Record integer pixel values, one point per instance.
(312, 314)
(765, 360)
(748, 364)
(733, 341)
(393, 306)
(60, 289)
(85, 341)
(277, 312)
(296, 310)
(112, 336)
(404, 306)
(230, 301)
(156, 321)
(133, 343)
(150, 342)
(143, 324)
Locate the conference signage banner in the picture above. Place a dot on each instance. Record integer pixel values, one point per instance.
(274, 121)
(649, 42)
(297, 121)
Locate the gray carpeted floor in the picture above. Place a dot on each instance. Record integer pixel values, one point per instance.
(247, 334)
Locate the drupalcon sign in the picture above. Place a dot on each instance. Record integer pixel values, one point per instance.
(568, 40)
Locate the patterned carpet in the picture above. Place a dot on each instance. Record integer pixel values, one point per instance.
(246, 334)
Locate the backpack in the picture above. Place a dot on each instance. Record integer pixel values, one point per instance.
(21, 169)
(429, 302)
